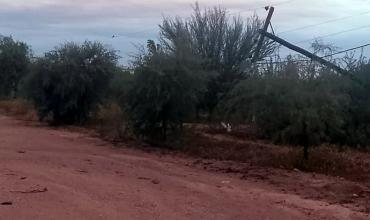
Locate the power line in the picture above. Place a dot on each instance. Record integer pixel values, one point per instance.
(334, 34)
(271, 4)
(325, 22)
(272, 29)
(344, 51)
(283, 3)
(282, 61)
(306, 60)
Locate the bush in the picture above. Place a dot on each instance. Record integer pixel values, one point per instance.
(160, 101)
(111, 122)
(292, 111)
(19, 108)
(358, 113)
(162, 96)
(14, 63)
(69, 82)
(120, 86)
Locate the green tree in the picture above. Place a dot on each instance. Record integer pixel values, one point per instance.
(222, 46)
(68, 82)
(290, 110)
(14, 64)
(120, 86)
(162, 96)
(358, 115)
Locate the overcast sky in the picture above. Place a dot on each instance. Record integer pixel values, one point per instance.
(47, 23)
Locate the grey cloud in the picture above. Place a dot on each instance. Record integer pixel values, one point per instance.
(47, 23)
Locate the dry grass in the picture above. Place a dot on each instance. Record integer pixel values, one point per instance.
(111, 122)
(19, 108)
(108, 121)
(327, 160)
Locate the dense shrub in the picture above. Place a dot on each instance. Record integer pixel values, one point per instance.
(14, 63)
(358, 115)
(290, 110)
(162, 96)
(111, 122)
(111, 119)
(120, 86)
(68, 83)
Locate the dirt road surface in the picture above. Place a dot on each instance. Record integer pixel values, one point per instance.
(56, 174)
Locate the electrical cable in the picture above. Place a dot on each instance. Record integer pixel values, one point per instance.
(325, 22)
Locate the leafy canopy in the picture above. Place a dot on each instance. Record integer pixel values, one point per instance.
(221, 46)
(163, 93)
(68, 82)
(14, 64)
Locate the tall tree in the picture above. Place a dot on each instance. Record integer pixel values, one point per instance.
(221, 44)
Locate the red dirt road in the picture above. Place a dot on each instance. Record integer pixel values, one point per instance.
(57, 174)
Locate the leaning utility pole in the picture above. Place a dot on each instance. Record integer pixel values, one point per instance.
(262, 37)
(304, 52)
(285, 43)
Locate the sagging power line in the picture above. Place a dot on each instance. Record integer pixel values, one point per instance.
(324, 22)
(307, 60)
(271, 4)
(347, 50)
(334, 34)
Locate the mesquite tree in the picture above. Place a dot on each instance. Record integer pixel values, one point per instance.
(68, 82)
(222, 45)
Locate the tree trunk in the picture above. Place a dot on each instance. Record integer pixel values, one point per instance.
(305, 151)
(164, 132)
(197, 117)
(305, 141)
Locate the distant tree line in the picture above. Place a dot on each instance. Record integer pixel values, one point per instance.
(199, 71)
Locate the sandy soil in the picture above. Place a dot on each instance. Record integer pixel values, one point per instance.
(57, 174)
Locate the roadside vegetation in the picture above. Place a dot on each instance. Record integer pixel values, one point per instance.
(195, 91)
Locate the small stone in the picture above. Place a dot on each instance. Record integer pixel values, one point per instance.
(143, 178)
(82, 171)
(155, 181)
